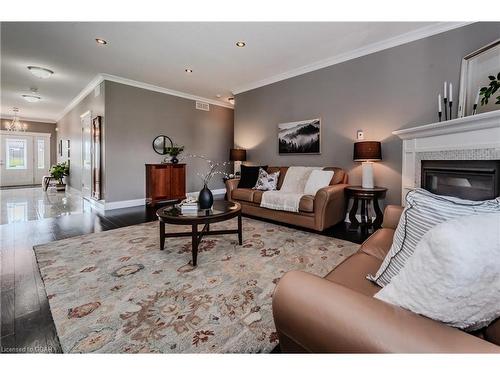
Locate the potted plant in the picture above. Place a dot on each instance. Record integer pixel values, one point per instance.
(58, 171)
(174, 151)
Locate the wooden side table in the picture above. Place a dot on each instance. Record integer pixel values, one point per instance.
(365, 195)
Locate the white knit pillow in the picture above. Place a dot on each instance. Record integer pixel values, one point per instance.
(454, 274)
(424, 211)
(317, 180)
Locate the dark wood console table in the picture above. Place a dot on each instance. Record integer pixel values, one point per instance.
(165, 182)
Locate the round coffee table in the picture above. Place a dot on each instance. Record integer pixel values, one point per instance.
(221, 211)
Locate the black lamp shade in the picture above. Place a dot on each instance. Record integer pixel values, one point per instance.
(237, 154)
(367, 151)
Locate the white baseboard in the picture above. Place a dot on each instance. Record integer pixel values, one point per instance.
(215, 192)
(142, 201)
(124, 204)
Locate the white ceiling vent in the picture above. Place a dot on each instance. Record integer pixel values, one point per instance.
(202, 106)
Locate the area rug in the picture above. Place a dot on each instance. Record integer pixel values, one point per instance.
(116, 292)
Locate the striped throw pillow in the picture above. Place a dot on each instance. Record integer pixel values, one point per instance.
(423, 211)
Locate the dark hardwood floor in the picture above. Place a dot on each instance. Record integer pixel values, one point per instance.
(26, 321)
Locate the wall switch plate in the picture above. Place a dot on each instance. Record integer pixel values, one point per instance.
(360, 135)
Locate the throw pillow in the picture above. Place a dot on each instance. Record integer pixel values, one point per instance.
(249, 176)
(454, 275)
(296, 178)
(317, 180)
(267, 181)
(422, 212)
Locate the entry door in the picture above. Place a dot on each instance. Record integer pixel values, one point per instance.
(16, 159)
(24, 158)
(41, 157)
(86, 121)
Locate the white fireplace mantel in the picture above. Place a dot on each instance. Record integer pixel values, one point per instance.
(474, 137)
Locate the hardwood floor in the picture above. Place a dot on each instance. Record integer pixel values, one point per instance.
(26, 321)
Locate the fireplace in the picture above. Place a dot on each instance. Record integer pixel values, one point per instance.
(467, 179)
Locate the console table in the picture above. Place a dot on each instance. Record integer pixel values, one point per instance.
(165, 182)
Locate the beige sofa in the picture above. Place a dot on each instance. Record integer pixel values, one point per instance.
(318, 212)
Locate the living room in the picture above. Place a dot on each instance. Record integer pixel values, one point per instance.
(205, 186)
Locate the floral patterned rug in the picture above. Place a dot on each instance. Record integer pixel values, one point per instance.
(116, 292)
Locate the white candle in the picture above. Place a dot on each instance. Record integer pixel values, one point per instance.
(439, 103)
(477, 97)
(451, 92)
(445, 90)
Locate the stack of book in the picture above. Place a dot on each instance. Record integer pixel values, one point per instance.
(189, 208)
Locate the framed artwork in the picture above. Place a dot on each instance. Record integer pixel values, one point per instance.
(96, 157)
(300, 137)
(60, 148)
(476, 68)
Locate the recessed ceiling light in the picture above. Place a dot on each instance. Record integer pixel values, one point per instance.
(240, 44)
(188, 70)
(100, 41)
(31, 98)
(230, 100)
(40, 72)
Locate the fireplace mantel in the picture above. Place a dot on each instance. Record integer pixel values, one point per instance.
(474, 137)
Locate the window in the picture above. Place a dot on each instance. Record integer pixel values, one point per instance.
(16, 154)
(40, 153)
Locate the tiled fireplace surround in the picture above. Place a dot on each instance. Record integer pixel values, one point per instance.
(469, 138)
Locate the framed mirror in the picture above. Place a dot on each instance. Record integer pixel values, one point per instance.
(161, 143)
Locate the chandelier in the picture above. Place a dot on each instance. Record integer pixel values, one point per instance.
(15, 125)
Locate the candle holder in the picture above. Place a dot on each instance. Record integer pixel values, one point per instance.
(440, 115)
(445, 109)
(451, 105)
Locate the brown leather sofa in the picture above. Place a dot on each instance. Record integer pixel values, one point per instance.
(338, 314)
(317, 212)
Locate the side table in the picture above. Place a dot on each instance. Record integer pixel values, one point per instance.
(365, 195)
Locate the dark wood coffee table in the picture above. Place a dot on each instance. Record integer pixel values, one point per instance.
(221, 211)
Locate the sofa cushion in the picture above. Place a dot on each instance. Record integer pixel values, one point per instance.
(352, 273)
(338, 175)
(281, 177)
(379, 243)
(306, 203)
(243, 195)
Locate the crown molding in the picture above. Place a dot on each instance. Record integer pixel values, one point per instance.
(9, 116)
(130, 82)
(163, 90)
(81, 95)
(408, 37)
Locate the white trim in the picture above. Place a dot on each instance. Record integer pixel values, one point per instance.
(408, 37)
(5, 116)
(142, 201)
(215, 192)
(464, 124)
(98, 79)
(163, 90)
(31, 134)
(124, 204)
(81, 95)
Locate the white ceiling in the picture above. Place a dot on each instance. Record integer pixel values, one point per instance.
(157, 54)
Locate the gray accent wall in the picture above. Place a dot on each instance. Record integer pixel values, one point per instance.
(40, 127)
(134, 117)
(378, 93)
(69, 127)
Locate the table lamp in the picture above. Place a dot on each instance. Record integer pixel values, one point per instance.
(237, 155)
(367, 152)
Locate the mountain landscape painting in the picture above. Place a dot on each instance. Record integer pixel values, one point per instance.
(301, 137)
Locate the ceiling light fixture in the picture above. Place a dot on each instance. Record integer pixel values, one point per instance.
(240, 44)
(100, 41)
(230, 100)
(15, 125)
(31, 98)
(188, 70)
(40, 72)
